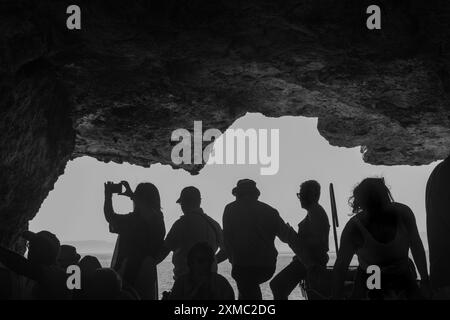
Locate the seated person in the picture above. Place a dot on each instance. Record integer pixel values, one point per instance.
(68, 256)
(310, 245)
(106, 284)
(382, 233)
(88, 265)
(41, 266)
(201, 283)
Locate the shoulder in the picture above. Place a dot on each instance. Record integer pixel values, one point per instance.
(400, 208)
(357, 219)
(353, 232)
(212, 220)
(403, 211)
(180, 223)
(267, 208)
(319, 213)
(229, 209)
(354, 224)
(230, 205)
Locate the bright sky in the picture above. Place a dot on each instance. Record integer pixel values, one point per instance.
(74, 209)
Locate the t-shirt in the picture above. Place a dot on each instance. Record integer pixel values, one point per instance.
(313, 236)
(139, 237)
(250, 229)
(187, 231)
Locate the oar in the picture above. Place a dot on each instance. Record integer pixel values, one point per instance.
(334, 216)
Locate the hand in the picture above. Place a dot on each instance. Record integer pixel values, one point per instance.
(128, 192)
(109, 189)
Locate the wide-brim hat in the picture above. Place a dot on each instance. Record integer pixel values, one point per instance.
(245, 186)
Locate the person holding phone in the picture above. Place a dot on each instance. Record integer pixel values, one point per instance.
(141, 235)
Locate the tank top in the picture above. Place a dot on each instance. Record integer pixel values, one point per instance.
(384, 255)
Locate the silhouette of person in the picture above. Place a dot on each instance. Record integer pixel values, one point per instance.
(381, 233)
(201, 283)
(88, 265)
(193, 227)
(68, 256)
(40, 266)
(310, 246)
(104, 284)
(141, 236)
(438, 229)
(250, 228)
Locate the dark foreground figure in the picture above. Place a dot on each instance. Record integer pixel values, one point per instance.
(201, 283)
(381, 233)
(250, 228)
(193, 227)
(438, 228)
(310, 246)
(141, 236)
(38, 276)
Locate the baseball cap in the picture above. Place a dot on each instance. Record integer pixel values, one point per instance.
(189, 194)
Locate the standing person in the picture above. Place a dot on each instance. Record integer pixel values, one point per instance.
(141, 235)
(438, 228)
(310, 246)
(250, 228)
(191, 228)
(381, 233)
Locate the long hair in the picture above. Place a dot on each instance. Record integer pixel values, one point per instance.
(149, 193)
(371, 195)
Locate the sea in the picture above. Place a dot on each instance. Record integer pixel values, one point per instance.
(165, 273)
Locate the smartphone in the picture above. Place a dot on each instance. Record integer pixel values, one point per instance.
(117, 188)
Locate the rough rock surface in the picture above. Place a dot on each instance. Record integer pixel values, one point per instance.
(137, 70)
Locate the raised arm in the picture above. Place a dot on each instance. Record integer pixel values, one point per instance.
(108, 206)
(347, 249)
(108, 210)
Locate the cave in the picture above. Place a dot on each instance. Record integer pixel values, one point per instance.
(115, 89)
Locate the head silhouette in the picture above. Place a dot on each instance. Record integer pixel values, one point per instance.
(104, 284)
(43, 247)
(200, 259)
(246, 190)
(190, 199)
(88, 264)
(67, 256)
(146, 198)
(371, 196)
(309, 193)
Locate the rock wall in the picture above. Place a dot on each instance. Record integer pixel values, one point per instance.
(116, 89)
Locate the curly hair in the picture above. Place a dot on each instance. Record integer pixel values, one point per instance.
(370, 195)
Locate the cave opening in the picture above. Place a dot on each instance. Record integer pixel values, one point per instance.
(74, 209)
